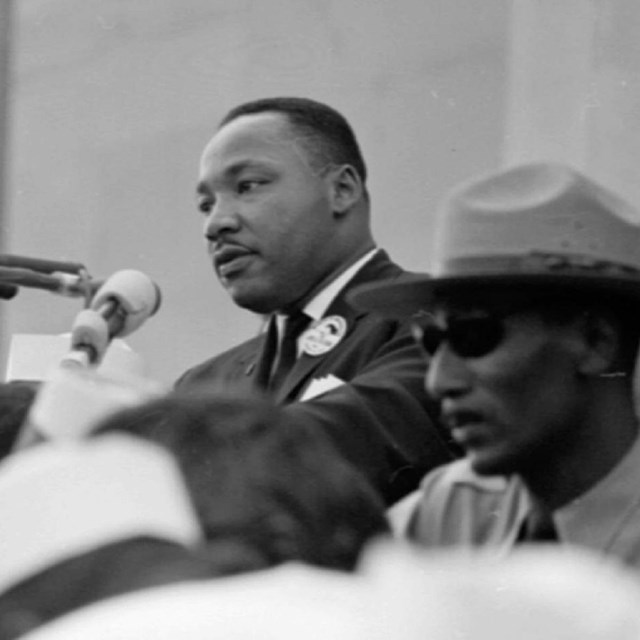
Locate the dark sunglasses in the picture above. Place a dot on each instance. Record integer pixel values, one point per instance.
(469, 335)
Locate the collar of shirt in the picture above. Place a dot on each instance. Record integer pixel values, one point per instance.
(458, 506)
(317, 306)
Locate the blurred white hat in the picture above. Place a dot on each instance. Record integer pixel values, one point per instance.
(289, 602)
(62, 499)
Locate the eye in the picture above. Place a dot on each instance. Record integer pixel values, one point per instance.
(205, 206)
(246, 186)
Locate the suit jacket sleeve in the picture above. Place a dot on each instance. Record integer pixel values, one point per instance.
(381, 418)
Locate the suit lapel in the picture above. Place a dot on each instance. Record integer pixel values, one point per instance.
(251, 363)
(307, 364)
(379, 267)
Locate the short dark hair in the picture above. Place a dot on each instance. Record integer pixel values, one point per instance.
(275, 488)
(326, 134)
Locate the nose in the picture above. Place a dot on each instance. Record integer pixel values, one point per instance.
(447, 374)
(220, 219)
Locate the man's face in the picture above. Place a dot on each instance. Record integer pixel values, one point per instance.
(267, 211)
(519, 402)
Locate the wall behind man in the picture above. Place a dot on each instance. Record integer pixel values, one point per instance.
(113, 101)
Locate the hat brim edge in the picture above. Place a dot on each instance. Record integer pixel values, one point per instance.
(397, 299)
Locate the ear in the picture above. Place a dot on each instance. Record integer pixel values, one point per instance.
(346, 188)
(601, 342)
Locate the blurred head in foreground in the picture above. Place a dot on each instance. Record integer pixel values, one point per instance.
(266, 490)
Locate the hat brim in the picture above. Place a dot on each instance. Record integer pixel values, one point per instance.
(412, 293)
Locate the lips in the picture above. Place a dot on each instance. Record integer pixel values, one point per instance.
(458, 419)
(465, 425)
(230, 257)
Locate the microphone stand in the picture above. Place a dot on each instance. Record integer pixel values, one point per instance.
(72, 285)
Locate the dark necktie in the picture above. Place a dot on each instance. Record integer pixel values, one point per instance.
(538, 527)
(294, 325)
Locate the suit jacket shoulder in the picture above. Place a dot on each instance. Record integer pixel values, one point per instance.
(227, 369)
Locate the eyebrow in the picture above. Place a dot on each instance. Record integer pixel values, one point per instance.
(231, 172)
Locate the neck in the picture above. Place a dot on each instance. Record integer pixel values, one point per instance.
(586, 454)
(329, 277)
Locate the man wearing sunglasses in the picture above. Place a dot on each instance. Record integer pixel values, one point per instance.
(530, 327)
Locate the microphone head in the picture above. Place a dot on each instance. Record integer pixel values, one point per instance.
(8, 291)
(136, 298)
(90, 328)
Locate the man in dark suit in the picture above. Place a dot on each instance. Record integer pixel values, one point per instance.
(282, 189)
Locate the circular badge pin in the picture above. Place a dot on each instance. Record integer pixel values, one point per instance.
(323, 335)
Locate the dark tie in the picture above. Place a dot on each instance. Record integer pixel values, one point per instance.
(294, 325)
(538, 527)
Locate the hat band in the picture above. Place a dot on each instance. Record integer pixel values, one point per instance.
(536, 263)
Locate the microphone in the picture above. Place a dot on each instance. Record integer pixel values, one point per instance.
(126, 300)
(38, 264)
(67, 284)
(67, 278)
(8, 291)
(119, 307)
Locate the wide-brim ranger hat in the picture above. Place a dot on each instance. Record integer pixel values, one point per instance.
(543, 225)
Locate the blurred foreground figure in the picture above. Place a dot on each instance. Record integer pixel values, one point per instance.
(83, 521)
(398, 592)
(286, 216)
(267, 489)
(286, 603)
(530, 325)
(537, 592)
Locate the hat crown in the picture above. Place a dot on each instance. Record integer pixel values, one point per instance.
(540, 225)
(536, 218)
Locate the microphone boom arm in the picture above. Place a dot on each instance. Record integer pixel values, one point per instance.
(72, 285)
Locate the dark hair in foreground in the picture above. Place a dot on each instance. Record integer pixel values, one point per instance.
(16, 399)
(266, 490)
(324, 133)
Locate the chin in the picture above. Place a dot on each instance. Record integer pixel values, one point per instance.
(251, 301)
(486, 464)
